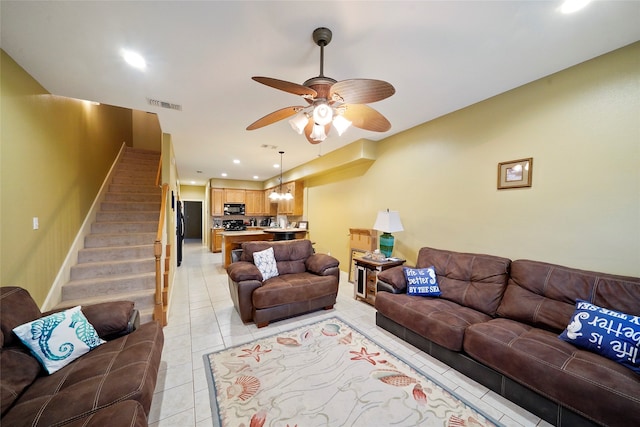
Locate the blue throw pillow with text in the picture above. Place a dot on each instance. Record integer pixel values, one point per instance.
(609, 333)
(422, 281)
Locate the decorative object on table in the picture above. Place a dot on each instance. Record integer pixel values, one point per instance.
(515, 174)
(279, 195)
(340, 374)
(329, 101)
(388, 222)
(303, 225)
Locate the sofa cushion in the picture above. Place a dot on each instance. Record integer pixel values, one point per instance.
(292, 288)
(266, 263)
(422, 281)
(123, 369)
(556, 369)
(441, 321)
(473, 280)
(60, 338)
(609, 333)
(544, 295)
(16, 307)
(18, 369)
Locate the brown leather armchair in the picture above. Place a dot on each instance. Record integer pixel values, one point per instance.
(306, 281)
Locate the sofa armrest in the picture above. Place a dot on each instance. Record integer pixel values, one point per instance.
(241, 271)
(321, 264)
(111, 319)
(392, 280)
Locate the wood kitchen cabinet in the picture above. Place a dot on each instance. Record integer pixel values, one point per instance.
(216, 239)
(217, 201)
(234, 195)
(270, 207)
(254, 203)
(296, 205)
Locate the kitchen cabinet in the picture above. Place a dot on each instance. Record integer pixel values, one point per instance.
(270, 207)
(216, 239)
(217, 201)
(234, 195)
(254, 203)
(294, 206)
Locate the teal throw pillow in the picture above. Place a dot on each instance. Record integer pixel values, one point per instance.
(60, 338)
(266, 263)
(609, 333)
(422, 281)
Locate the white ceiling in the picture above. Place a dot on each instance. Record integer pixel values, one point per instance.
(440, 56)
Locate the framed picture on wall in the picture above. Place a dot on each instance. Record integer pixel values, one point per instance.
(303, 225)
(515, 173)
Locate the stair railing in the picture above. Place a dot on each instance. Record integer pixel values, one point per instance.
(159, 253)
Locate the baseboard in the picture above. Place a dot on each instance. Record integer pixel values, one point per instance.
(64, 274)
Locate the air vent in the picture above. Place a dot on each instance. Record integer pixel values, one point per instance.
(273, 147)
(164, 104)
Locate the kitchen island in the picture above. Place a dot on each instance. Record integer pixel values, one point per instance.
(233, 240)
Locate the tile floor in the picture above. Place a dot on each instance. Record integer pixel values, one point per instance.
(202, 319)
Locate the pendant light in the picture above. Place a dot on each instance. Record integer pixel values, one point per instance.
(280, 195)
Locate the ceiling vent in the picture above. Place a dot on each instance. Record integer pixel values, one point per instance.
(164, 104)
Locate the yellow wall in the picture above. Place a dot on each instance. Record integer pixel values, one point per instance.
(55, 153)
(146, 131)
(582, 128)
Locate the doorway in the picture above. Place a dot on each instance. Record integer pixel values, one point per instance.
(192, 220)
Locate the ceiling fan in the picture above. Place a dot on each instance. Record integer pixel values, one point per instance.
(340, 103)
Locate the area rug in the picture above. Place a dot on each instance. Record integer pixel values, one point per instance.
(327, 373)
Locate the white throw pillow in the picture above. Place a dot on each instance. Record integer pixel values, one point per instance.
(266, 263)
(60, 338)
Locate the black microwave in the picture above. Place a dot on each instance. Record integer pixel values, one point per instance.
(234, 208)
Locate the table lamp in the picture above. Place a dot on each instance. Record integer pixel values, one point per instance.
(388, 222)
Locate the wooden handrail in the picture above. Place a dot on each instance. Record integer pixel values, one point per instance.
(159, 174)
(158, 310)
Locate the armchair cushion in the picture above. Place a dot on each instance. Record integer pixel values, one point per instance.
(110, 319)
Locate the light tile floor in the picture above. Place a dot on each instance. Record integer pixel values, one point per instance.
(202, 319)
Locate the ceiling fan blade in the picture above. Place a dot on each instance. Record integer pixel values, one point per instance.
(361, 91)
(276, 116)
(364, 117)
(289, 87)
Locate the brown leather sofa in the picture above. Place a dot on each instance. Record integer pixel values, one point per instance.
(306, 281)
(497, 321)
(111, 385)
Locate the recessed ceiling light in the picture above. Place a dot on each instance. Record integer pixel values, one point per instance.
(276, 165)
(236, 161)
(255, 176)
(193, 182)
(570, 6)
(134, 59)
(223, 174)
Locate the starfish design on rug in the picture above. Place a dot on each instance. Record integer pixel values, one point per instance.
(255, 352)
(364, 355)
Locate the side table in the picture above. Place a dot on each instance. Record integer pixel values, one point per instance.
(367, 271)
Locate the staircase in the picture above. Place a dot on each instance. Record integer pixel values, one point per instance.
(117, 261)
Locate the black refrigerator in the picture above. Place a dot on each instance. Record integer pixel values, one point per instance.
(179, 230)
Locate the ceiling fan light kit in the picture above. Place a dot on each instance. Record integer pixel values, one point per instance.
(330, 102)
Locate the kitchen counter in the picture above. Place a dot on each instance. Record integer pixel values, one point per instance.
(286, 233)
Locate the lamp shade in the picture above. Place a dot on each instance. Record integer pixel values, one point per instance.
(388, 222)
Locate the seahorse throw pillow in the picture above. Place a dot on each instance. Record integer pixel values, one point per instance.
(60, 338)
(422, 281)
(609, 333)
